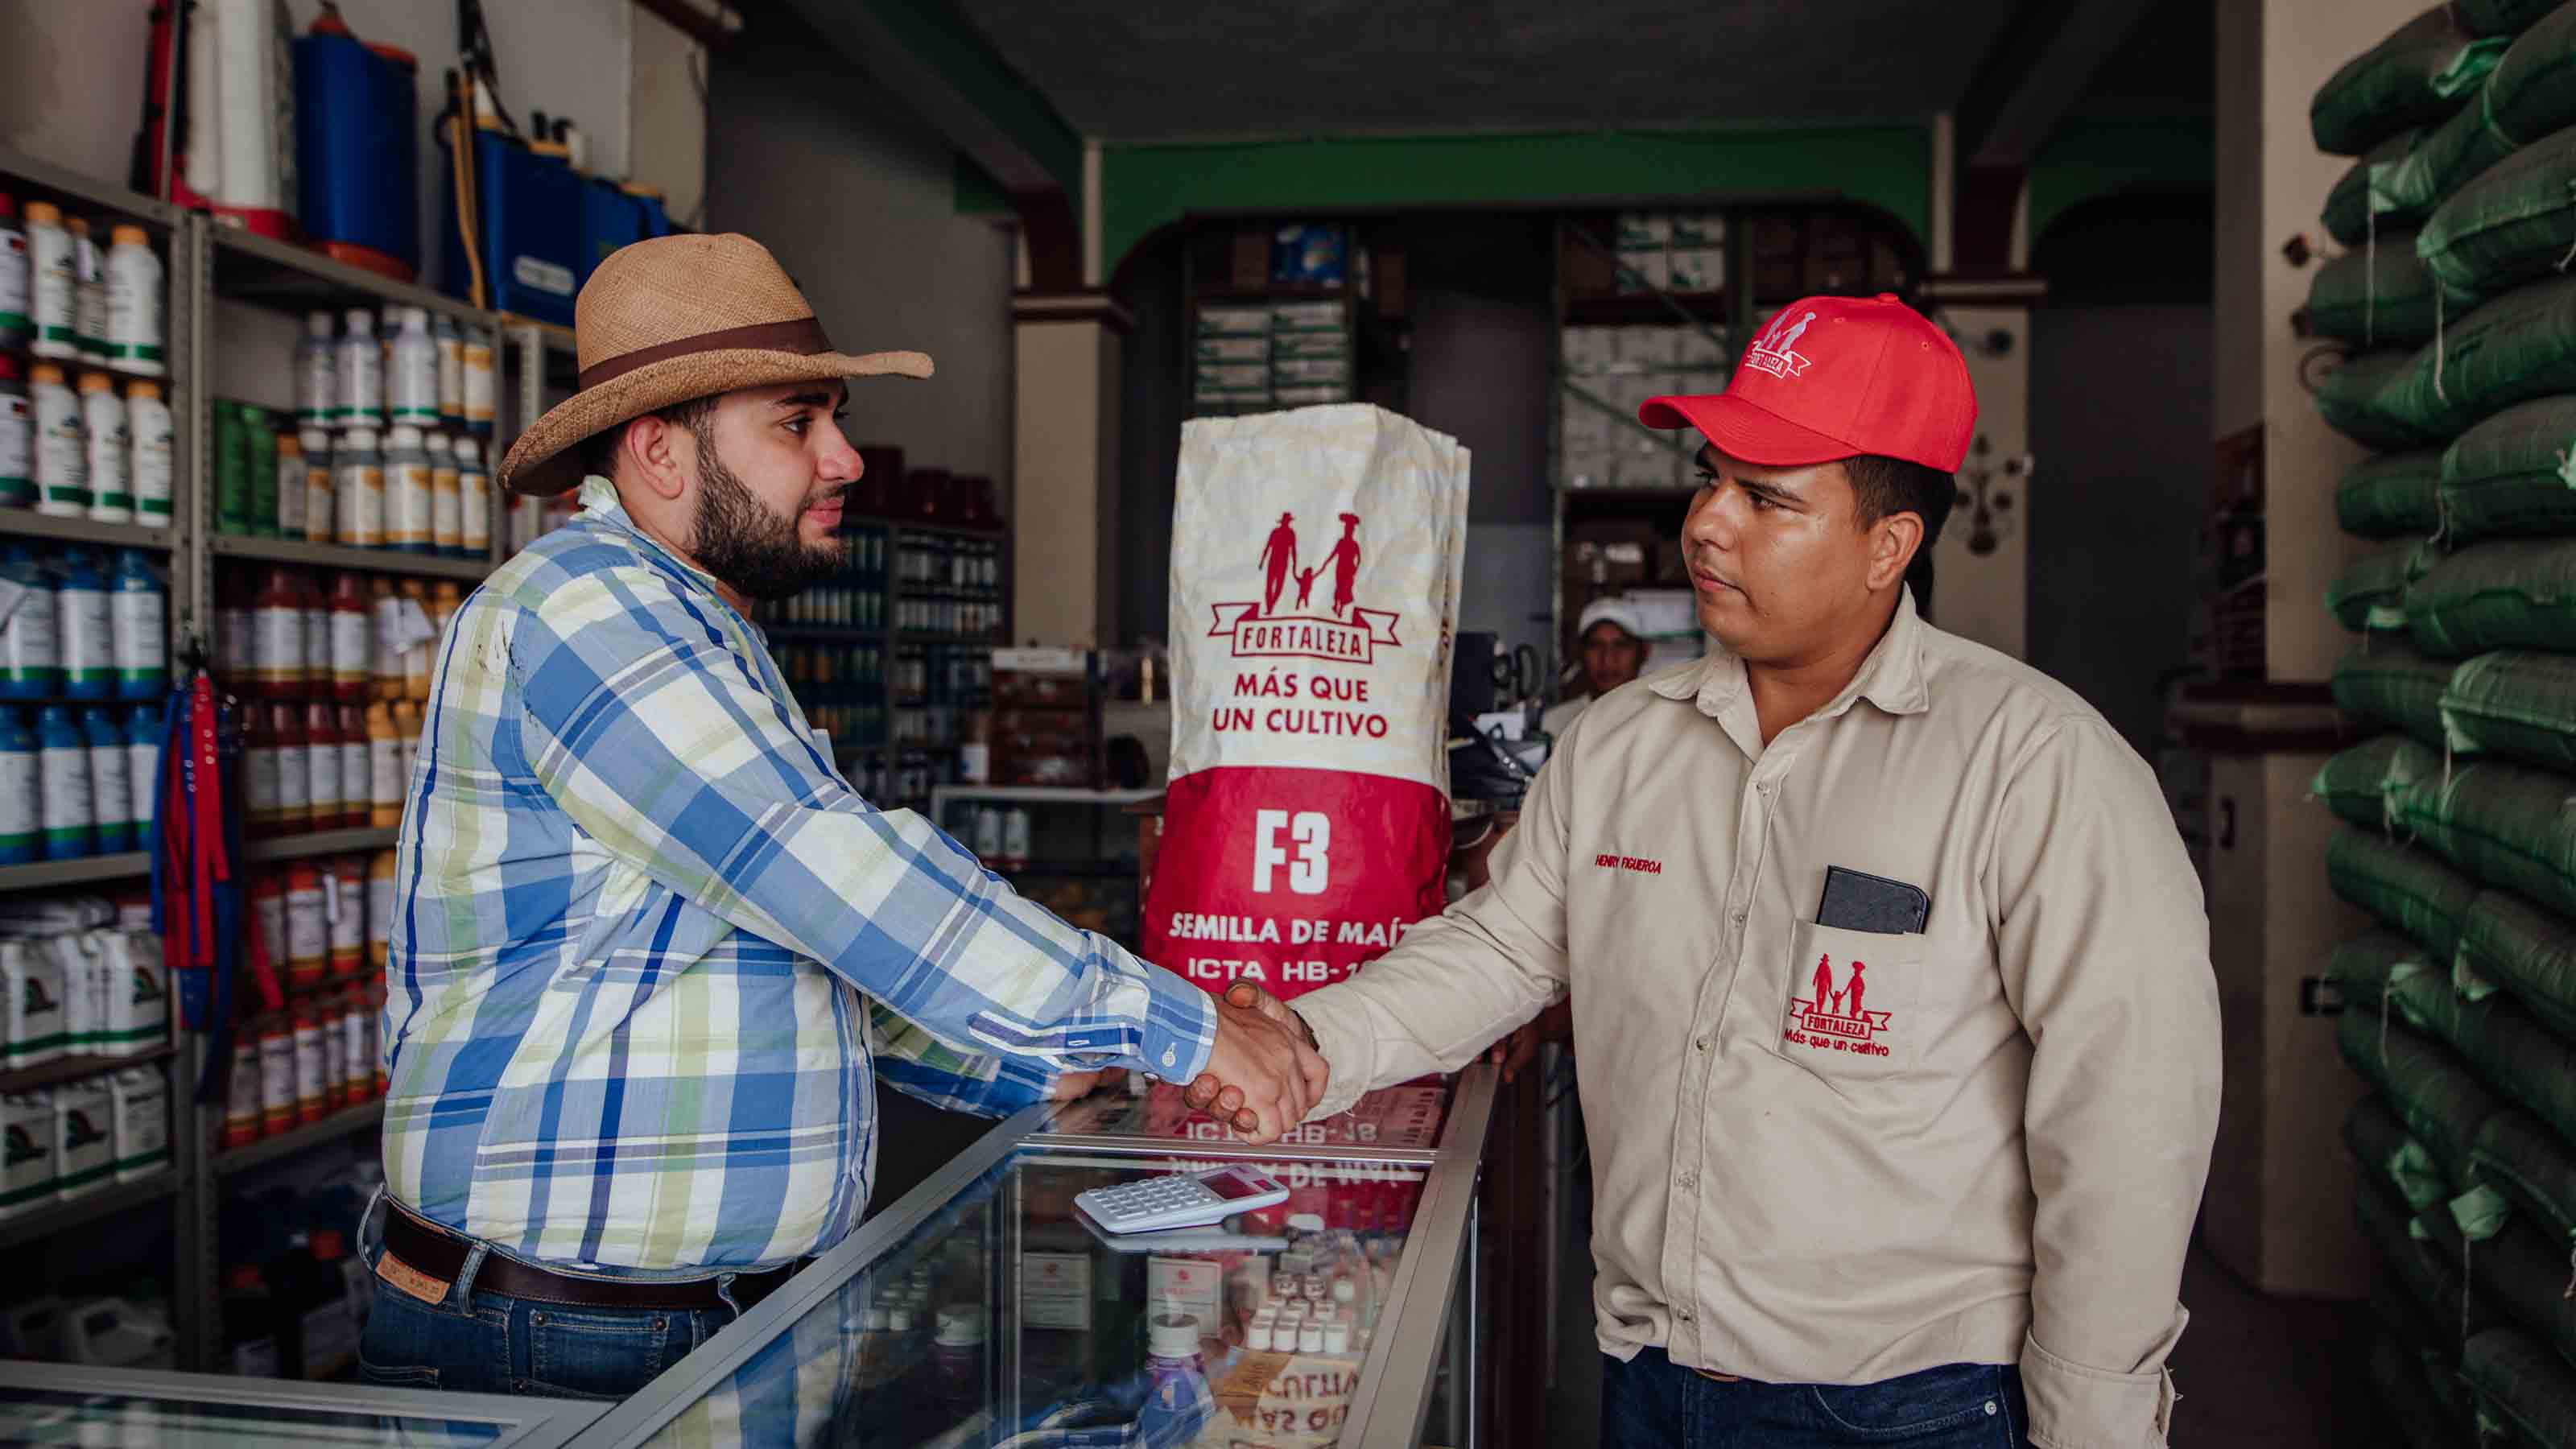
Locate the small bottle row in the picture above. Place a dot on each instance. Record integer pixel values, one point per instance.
(415, 491)
(82, 450)
(76, 781)
(326, 921)
(85, 627)
(308, 767)
(394, 366)
(63, 296)
(71, 1140)
(342, 637)
(967, 567)
(943, 674)
(970, 617)
(321, 1055)
(84, 980)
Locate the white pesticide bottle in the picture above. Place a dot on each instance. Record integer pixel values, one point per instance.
(111, 450)
(53, 285)
(362, 373)
(134, 310)
(411, 383)
(317, 374)
(473, 500)
(147, 418)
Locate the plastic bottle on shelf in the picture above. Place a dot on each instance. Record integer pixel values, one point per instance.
(277, 617)
(22, 827)
(473, 501)
(110, 446)
(451, 370)
(67, 809)
(62, 444)
(317, 374)
(446, 520)
(259, 770)
(361, 1076)
(479, 386)
(361, 369)
(321, 519)
(358, 488)
(232, 469)
(352, 634)
(143, 767)
(445, 598)
(348, 911)
(147, 419)
(308, 930)
(259, 469)
(416, 659)
(288, 447)
(17, 437)
(309, 1097)
(276, 1077)
(89, 289)
(31, 660)
(335, 1054)
(135, 337)
(355, 790)
(384, 768)
(294, 769)
(330, 800)
(384, 605)
(407, 496)
(14, 280)
(138, 634)
(380, 907)
(314, 608)
(241, 1117)
(236, 642)
(411, 383)
(81, 617)
(52, 284)
(406, 722)
(111, 782)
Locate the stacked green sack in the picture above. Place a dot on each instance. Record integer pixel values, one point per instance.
(2381, 295)
(2392, 495)
(2510, 476)
(2417, 76)
(2530, 94)
(2388, 681)
(2369, 596)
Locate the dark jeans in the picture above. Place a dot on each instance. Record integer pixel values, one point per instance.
(1651, 1402)
(490, 1343)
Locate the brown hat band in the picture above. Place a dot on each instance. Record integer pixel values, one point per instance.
(804, 335)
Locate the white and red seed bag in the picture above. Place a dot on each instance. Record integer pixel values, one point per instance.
(1315, 572)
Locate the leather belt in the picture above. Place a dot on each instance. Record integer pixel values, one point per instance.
(440, 1255)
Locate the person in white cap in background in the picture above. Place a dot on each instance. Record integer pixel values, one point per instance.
(1612, 641)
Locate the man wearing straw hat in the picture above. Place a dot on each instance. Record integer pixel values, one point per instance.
(650, 950)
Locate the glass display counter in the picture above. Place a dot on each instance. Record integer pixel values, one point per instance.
(983, 1310)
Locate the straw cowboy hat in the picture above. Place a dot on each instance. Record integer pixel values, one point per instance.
(674, 318)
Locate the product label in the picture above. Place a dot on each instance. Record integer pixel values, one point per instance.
(408, 523)
(353, 775)
(141, 643)
(474, 507)
(308, 936)
(19, 820)
(451, 379)
(295, 783)
(277, 1078)
(150, 423)
(362, 380)
(348, 921)
(89, 653)
(111, 785)
(89, 296)
(353, 1047)
(415, 382)
(52, 284)
(384, 773)
(277, 644)
(62, 448)
(30, 647)
(17, 448)
(111, 448)
(324, 763)
(446, 511)
(67, 803)
(319, 524)
(290, 496)
(478, 384)
(317, 386)
(143, 767)
(308, 1067)
(317, 644)
(351, 655)
(361, 501)
(259, 786)
(380, 908)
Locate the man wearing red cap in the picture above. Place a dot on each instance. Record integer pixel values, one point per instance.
(1951, 1211)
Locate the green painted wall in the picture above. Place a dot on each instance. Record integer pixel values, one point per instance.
(1146, 186)
(2089, 159)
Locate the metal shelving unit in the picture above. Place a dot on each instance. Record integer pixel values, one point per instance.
(321, 842)
(91, 1207)
(346, 1122)
(54, 874)
(335, 556)
(28, 523)
(74, 1068)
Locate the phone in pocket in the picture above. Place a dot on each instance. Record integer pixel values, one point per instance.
(1858, 901)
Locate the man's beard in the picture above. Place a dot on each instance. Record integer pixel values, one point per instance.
(752, 550)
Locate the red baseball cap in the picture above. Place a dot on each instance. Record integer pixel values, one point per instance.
(1834, 377)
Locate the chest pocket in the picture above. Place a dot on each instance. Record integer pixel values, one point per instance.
(1850, 1009)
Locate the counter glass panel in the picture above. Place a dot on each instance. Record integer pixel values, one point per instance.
(45, 1416)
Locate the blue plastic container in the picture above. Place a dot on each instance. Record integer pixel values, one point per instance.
(611, 219)
(22, 836)
(31, 645)
(70, 810)
(111, 792)
(81, 622)
(357, 155)
(144, 730)
(138, 610)
(534, 223)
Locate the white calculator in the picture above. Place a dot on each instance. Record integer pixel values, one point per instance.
(1181, 1200)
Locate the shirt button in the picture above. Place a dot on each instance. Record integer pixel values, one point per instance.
(1766, 786)
(1739, 915)
(1689, 1180)
(1702, 1043)
(1684, 1315)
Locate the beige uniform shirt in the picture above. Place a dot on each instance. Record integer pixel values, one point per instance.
(1828, 1156)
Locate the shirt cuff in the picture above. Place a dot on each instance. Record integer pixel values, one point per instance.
(1180, 1027)
(1342, 1039)
(2074, 1407)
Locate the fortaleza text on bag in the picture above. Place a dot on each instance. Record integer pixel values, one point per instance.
(1315, 576)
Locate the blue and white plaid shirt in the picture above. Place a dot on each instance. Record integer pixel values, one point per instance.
(646, 939)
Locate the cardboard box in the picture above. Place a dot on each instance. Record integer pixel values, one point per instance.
(1332, 342)
(1296, 371)
(1650, 349)
(1699, 269)
(1641, 272)
(1234, 321)
(1218, 347)
(1587, 351)
(1232, 377)
(1306, 316)
(1195, 1286)
(1586, 467)
(1302, 395)
(1698, 229)
(1641, 230)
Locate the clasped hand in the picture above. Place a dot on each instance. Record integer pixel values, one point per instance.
(1265, 1074)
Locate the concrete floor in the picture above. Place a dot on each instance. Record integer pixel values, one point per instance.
(2253, 1372)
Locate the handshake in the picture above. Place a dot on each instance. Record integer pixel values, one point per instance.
(1265, 1074)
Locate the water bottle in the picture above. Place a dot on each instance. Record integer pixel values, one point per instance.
(80, 612)
(111, 787)
(22, 837)
(62, 762)
(137, 609)
(31, 660)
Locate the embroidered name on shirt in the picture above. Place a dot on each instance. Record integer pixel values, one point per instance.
(1637, 863)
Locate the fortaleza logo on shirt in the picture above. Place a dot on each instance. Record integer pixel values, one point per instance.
(1830, 1018)
(1774, 351)
(1340, 630)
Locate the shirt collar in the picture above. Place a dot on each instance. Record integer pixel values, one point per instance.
(599, 503)
(1891, 677)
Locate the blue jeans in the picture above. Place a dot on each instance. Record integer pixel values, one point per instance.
(1650, 1402)
(491, 1343)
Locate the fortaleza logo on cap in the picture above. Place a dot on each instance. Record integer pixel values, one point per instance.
(1341, 631)
(1774, 351)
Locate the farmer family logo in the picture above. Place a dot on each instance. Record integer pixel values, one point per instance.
(1775, 351)
(1831, 1018)
(1340, 630)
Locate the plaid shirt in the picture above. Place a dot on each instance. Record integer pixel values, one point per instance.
(647, 940)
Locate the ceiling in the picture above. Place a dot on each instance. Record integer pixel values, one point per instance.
(1134, 70)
